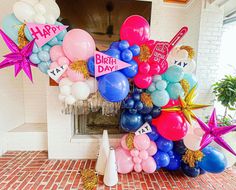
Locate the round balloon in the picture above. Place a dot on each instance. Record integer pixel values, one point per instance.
(190, 171)
(160, 98)
(124, 161)
(130, 122)
(149, 165)
(141, 142)
(162, 159)
(175, 161)
(142, 80)
(164, 144)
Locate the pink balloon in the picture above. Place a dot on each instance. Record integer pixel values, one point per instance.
(143, 154)
(141, 142)
(56, 52)
(137, 168)
(54, 65)
(152, 148)
(134, 152)
(75, 76)
(149, 165)
(137, 160)
(135, 30)
(124, 161)
(142, 80)
(123, 142)
(78, 45)
(144, 68)
(63, 61)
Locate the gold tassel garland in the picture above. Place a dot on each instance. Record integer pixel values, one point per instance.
(80, 66)
(190, 157)
(190, 50)
(145, 53)
(89, 179)
(185, 85)
(22, 40)
(130, 141)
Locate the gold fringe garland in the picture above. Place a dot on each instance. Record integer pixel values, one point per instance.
(185, 85)
(190, 50)
(22, 40)
(130, 141)
(89, 178)
(146, 99)
(80, 66)
(145, 53)
(190, 157)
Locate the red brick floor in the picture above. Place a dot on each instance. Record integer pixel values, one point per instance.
(32, 170)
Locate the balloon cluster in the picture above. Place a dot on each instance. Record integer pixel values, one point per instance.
(135, 153)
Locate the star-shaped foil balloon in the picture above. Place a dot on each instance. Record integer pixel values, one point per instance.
(187, 105)
(214, 133)
(18, 57)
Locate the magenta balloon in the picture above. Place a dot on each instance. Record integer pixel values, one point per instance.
(141, 142)
(149, 165)
(124, 161)
(142, 80)
(78, 45)
(135, 29)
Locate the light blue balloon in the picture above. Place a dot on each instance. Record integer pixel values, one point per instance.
(152, 87)
(53, 42)
(160, 98)
(36, 49)
(161, 85)
(10, 26)
(61, 35)
(44, 56)
(191, 78)
(174, 74)
(44, 67)
(46, 48)
(175, 90)
(156, 78)
(28, 34)
(34, 58)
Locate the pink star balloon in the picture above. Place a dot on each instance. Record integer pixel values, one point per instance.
(214, 133)
(18, 57)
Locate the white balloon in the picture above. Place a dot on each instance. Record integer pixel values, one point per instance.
(93, 85)
(80, 90)
(51, 7)
(70, 100)
(24, 12)
(39, 8)
(65, 90)
(192, 142)
(50, 19)
(182, 54)
(61, 97)
(65, 82)
(40, 19)
(31, 2)
(198, 131)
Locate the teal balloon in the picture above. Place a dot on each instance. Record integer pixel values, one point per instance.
(36, 49)
(161, 85)
(35, 59)
(191, 78)
(28, 34)
(213, 160)
(152, 87)
(44, 56)
(53, 42)
(160, 98)
(44, 67)
(46, 48)
(175, 90)
(11, 25)
(156, 78)
(174, 74)
(62, 34)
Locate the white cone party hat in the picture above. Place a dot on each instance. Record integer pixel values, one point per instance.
(103, 154)
(111, 176)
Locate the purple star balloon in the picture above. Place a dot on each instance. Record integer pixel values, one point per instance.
(214, 133)
(18, 57)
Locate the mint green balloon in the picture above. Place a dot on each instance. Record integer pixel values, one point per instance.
(160, 98)
(174, 74)
(161, 85)
(175, 90)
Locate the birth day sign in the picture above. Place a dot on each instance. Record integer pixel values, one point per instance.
(42, 33)
(105, 64)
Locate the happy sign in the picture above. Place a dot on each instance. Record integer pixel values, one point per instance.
(105, 64)
(42, 33)
(145, 128)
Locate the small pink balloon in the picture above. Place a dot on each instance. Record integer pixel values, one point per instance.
(137, 168)
(134, 152)
(56, 52)
(142, 80)
(152, 150)
(75, 76)
(54, 65)
(63, 61)
(144, 68)
(78, 45)
(143, 154)
(123, 142)
(124, 161)
(149, 165)
(137, 160)
(141, 142)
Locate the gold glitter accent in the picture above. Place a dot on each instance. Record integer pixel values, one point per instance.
(22, 40)
(145, 53)
(146, 99)
(89, 178)
(80, 67)
(190, 50)
(190, 157)
(185, 85)
(130, 141)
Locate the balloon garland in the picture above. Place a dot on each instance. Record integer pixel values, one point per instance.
(152, 82)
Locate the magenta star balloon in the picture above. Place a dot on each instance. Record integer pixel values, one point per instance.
(214, 133)
(18, 57)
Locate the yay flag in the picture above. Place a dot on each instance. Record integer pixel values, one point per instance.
(105, 64)
(145, 128)
(42, 33)
(56, 73)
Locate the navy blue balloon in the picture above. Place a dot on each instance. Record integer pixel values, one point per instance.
(131, 71)
(130, 122)
(189, 171)
(91, 66)
(114, 45)
(138, 90)
(123, 45)
(153, 136)
(179, 147)
(202, 171)
(113, 53)
(148, 118)
(133, 111)
(164, 144)
(138, 105)
(146, 110)
(136, 96)
(175, 161)
(162, 159)
(213, 161)
(126, 55)
(170, 153)
(156, 111)
(113, 87)
(135, 50)
(129, 103)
